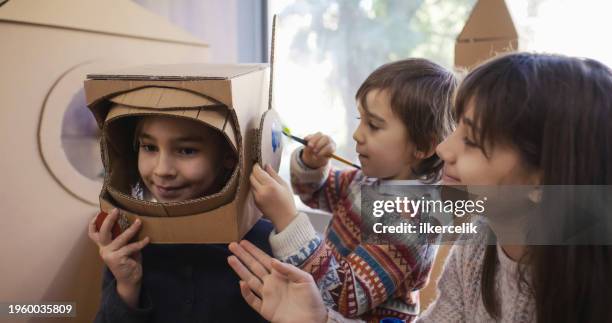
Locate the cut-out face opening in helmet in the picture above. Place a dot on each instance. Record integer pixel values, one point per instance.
(167, 158)
(179, 159)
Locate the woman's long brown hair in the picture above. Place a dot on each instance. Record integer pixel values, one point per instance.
(557, 112)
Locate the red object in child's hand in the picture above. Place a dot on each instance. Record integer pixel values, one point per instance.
(115, 231)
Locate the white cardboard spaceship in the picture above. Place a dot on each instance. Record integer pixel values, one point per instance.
(48, 48)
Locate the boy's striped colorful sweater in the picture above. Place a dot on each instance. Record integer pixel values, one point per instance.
(357, 280)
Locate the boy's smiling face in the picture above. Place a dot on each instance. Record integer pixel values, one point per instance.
(177, 158)
(382, 140)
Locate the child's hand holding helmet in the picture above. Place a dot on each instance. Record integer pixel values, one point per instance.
(273, 196)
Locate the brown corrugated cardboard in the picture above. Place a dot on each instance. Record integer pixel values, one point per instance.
(470, 54)
(488, 31)
(230, 98)
(115, 17)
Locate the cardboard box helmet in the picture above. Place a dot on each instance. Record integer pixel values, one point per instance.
(228, 101)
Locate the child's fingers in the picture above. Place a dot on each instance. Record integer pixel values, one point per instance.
(274, 175)
(261, 175)
(239, 268)
(255, 173)
(125, 236)
(314, 135)
(92, 231)
(312, 143)
(249, 261)
(293, 273)
(327, 150)
(313, 139)
(254, 283)
(105, 236)
(263, 258)
(133, 247)
(251, 299)
(255, 184)
(321, 143)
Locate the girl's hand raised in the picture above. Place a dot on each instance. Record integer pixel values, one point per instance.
(279, 292)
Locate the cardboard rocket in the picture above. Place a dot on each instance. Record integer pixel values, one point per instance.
(233, 99)
(488, 31)
(50, 165)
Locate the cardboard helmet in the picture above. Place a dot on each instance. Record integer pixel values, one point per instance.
(232, 100)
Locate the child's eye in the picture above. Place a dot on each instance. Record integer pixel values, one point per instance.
(188, 151)
(372, 126)
(148, 148)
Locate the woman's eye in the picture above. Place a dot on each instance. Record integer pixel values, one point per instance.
(148, 148)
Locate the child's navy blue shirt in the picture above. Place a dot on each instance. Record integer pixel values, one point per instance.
(185, 283)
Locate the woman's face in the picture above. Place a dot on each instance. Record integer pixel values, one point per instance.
(466, 164)
(177, 158)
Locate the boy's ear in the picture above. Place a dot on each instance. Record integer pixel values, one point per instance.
(419, 154)
(422, 155)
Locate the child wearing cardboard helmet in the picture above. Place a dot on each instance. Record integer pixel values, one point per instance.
(173, 160)
(185, 158)
(179, 159)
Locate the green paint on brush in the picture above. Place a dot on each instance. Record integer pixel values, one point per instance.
(286, 130)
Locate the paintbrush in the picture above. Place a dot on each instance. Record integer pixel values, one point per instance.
(287, 133)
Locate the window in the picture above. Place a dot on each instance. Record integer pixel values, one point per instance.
(81, 139)
(325, 49)
(570, 27)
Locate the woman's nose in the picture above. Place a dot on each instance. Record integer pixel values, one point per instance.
(445, 151)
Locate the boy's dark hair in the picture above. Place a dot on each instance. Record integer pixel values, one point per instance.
(421, 95)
